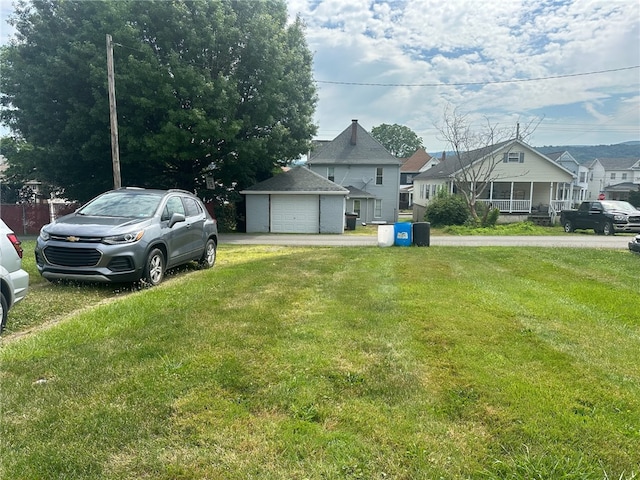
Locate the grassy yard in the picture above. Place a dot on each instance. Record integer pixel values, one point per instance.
(334, 363)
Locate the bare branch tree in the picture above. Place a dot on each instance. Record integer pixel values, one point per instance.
(477, 153)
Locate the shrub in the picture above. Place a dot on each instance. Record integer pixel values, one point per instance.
(488, 216)
(447, 209)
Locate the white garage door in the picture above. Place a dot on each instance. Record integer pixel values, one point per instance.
(295, 214)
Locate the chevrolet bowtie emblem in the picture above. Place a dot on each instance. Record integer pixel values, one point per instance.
(72, 239)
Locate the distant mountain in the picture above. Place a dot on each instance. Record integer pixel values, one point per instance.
(587, 153)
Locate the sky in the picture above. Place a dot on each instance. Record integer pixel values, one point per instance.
(571, 67)
(502, 62)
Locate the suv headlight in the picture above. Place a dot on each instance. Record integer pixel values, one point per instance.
(130, 237)
(44, 235)
(620, 218)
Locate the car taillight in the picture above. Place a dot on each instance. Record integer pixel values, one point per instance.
(16, 243)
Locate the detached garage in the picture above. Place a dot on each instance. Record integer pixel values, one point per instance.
(297, 201)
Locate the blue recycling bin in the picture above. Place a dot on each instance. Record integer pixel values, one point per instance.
(402, 234)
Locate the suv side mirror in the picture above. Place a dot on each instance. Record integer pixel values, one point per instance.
(175, 218)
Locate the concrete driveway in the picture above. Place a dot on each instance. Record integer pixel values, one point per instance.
(574, 240)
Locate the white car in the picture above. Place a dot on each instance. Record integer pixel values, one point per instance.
(14, 281)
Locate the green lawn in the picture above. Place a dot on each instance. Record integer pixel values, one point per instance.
(334, 363)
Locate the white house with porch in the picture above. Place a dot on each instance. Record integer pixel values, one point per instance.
(522, 181)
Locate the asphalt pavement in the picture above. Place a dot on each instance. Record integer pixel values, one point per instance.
(572, 240)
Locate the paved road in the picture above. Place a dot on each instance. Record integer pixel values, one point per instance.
(576, 240)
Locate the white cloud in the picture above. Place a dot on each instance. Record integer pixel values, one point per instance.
(465, 41)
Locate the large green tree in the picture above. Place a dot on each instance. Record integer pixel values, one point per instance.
(215, 88)
(400, 141)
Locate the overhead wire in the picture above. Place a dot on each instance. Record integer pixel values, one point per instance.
(463, 84)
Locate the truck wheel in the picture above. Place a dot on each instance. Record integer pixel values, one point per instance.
(607, 228)
(568, 226)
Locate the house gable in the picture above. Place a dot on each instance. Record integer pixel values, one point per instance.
(354, 146)
(516, 161)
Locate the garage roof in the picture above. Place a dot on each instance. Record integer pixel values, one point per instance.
(295, 181)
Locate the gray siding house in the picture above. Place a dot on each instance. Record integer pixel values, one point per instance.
(357, 161)
(297, 201)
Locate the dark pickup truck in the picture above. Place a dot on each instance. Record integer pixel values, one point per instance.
(604, 217)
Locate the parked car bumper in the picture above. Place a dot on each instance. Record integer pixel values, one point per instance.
(626, 227)
(634, 246)
(57, 260)
(20, 281)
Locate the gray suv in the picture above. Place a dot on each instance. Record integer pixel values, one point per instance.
(127, 235)
(14, 281)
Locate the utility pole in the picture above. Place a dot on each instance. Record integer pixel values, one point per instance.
(113, 117)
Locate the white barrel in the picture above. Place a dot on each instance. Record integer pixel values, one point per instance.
(385, 235)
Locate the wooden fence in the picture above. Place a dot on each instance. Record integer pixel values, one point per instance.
(29, 218)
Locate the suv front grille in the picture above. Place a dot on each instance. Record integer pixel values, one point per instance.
(72, 257)
(634, 219)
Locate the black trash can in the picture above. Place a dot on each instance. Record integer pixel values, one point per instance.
(350, 223)
(422, 234)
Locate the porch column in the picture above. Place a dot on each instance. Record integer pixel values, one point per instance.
(511, 199)
(531, 197)
(491, 193)
(551, 195)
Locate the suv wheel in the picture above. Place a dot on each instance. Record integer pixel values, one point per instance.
(607, 228)
(208, 258)
(154, 268)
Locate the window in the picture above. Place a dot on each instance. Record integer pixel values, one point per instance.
(583, 176)
(331, 174)
(426, 191)
(356, 207)
(513, 157)
(192, 207)
(377, 209)
(624, 176)
(379, 176)
(174, 205)
(613, 176)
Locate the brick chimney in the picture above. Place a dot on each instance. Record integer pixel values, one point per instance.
(354, 132)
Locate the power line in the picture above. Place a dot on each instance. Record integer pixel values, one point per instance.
(463, 84)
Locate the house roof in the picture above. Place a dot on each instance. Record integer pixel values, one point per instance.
(416, 161)
(617, 163)
(297, 180)
(452, 164)
(622, 187)
(354, 146)
(357, 193)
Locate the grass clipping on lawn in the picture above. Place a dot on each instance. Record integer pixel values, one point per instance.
(355, 363)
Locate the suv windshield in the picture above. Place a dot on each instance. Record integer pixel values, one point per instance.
(123, 204)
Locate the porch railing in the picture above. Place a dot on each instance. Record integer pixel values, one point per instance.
(525, 206)
(508, 206)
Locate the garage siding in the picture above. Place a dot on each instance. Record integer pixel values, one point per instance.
(332, 213)
(257, 213)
